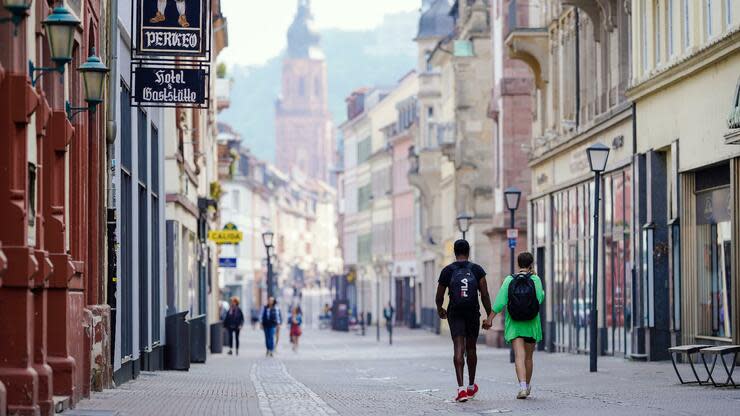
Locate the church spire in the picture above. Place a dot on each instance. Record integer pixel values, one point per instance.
(303, 39)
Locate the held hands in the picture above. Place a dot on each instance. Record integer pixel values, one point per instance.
(488, 322)
(442, 313)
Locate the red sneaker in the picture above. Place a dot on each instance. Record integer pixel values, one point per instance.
(462, 396)
(472, 392)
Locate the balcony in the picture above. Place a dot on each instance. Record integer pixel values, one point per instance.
(601, 12)
(425, 170)
(223, 93)
(527, 39)
(429, 85)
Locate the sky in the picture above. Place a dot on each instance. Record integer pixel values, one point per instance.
(257, 28)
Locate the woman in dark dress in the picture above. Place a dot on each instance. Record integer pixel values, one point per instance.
(233, 323)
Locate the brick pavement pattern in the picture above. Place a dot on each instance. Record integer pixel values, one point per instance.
(347, 374)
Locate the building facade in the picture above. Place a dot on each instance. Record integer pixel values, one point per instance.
(510, 109)
(686, 167)
(579, 55)
(51, 198)
(452, 162)
(303, 127)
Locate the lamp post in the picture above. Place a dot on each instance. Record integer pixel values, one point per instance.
(378, 270)
(362, 300)
(267, 238)
(389, 269)
(18, 10)
(463, 224)
(60, 28)
(93, 77)
(512, 195)
(598, 154)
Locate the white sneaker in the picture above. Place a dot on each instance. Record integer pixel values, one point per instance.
(529, 390)
(522, 394)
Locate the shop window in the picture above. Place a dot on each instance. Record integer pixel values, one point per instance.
(675, 231)
(714, 245)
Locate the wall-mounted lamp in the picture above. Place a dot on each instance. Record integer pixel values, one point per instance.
(93, 77)
(60, 28)
(18, 10)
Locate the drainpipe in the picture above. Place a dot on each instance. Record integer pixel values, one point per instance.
(110, 136)
(578, 70)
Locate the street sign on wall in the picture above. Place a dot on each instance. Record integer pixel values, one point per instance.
(167, 28)
(227, 262)
(158, 84)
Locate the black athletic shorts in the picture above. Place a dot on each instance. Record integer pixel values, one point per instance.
(528, 340)
(464, 323)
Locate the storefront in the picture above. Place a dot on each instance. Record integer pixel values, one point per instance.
(561, 238)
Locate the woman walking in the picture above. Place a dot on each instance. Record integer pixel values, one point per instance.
(296, 320)
(522, 296)
(233, 322)
(271, 321)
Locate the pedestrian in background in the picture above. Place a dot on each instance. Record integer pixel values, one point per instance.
(296, 320)
(233, 322)
(521, 295)
(271, 321)
(463, 280)
(254, 316)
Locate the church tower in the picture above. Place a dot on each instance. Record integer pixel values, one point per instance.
(303, 126)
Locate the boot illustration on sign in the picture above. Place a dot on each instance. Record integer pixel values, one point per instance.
(162, 6)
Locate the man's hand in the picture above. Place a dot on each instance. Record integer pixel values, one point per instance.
(442, 313)
(488, 322)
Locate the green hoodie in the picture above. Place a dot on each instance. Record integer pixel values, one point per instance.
(516, 329)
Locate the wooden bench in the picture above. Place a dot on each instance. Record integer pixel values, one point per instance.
(720, 352)
(688, 350)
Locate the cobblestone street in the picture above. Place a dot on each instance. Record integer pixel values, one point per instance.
(346, 374)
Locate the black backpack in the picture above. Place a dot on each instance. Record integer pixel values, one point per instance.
(463, 288)
(523, 303)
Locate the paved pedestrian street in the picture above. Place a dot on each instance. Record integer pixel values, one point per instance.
(347, 374)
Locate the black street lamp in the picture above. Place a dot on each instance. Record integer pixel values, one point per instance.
(267, 238)
(378, 270)
(93, 77)
(18, 10)
(463, 224)
(60, 26)
(512, 195)
(598, 154)
(389, 269)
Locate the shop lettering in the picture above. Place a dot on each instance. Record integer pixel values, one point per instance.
(170, 77)
(167, 39)
(169, 95)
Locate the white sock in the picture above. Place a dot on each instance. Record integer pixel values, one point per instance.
(523, 385)
(161, 6)
(471, 387)
(461, 388)
(180, 7)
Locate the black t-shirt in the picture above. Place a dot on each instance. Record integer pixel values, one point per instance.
(446, 274)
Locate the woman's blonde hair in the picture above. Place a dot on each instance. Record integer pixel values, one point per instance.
(234, 299)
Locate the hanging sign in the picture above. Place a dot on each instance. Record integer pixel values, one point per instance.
(169, 85)
(165, 28)
(229, 235)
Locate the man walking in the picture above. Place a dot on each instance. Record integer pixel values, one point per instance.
(463, 280)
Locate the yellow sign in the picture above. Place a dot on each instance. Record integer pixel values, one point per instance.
(229, 235)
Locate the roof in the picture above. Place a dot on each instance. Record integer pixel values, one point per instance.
(436, 22)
